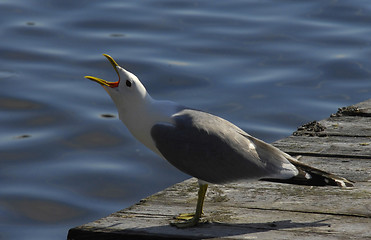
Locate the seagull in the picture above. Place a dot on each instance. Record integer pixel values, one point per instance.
(203, 145)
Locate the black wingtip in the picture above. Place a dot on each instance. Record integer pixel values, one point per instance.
(311, 176)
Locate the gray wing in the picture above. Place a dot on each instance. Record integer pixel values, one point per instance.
(216, 151)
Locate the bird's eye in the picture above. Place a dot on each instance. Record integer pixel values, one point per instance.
(128, 83)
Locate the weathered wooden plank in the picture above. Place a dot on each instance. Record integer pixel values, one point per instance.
(359, 109)
(261, 210)
(283, 225)
(261, 195)
(336, 146)
(356, 169)
(255, 210)
(352, 121)
(348, 126)
(345, 134)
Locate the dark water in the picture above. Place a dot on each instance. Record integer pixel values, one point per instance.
(268, 66)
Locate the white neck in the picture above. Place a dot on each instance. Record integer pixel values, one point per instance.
(140, 117)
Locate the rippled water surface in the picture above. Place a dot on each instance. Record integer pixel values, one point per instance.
(66, 159)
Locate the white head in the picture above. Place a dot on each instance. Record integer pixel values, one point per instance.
(127, 92)
(137, 110)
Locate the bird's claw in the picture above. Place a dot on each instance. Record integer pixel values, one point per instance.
(186, 220)
(185, 216)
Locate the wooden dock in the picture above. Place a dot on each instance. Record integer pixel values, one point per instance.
(340, 144)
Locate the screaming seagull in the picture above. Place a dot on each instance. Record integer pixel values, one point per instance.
(203, 145)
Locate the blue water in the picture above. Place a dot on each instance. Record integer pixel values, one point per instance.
(66, 159)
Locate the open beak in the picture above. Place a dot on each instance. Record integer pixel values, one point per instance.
(104, 82)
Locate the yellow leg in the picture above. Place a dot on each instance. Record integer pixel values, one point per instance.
(190, 220)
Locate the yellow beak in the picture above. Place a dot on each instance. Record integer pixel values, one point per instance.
(104, 82)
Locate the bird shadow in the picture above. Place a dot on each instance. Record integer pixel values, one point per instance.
(220, 230)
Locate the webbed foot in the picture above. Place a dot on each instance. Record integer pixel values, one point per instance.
(185, 220)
